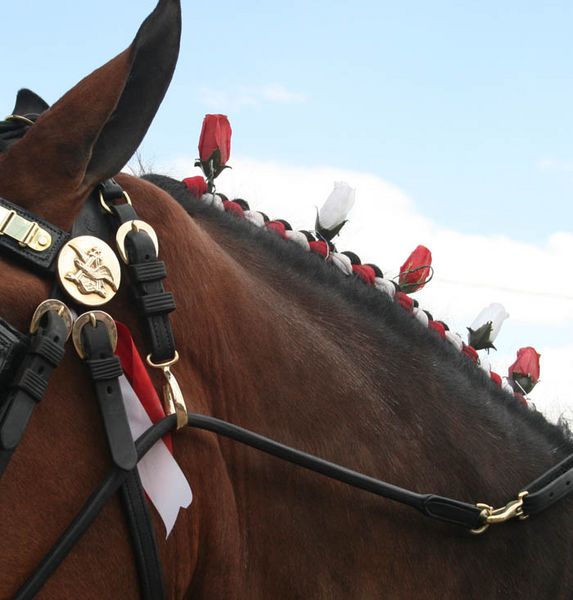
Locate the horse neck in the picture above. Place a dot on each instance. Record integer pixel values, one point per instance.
(307, 364)
(291, 356)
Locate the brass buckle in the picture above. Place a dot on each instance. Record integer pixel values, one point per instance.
(493, 516)
(52, 305)
(172, 394)
(92, 318)
(105, 205)
(20, 118)
(135, 225)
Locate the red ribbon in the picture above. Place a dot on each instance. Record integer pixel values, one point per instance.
(136, 373)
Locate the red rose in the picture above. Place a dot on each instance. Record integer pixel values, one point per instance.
(214, 144)
(414, 273)
(196, 185)
(525, 370)
(495, 377)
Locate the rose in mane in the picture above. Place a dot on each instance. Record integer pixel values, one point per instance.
(416, 271)
(214, 145)
(524, 372)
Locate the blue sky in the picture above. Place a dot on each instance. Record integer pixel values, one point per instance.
(463, 106)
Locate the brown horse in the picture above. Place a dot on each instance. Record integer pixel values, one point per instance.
(274, 340)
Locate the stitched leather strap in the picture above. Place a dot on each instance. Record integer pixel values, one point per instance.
(45, 352)
(146, 273)
(105, 370)
(552, 486)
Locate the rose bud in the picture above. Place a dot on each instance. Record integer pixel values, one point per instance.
(486, 326)
(214, 145)
(332, 216)
(524, 372)
(416, 271)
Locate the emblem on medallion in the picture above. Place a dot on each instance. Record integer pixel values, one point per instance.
(89, 270)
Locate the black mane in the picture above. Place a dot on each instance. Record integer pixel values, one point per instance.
(366, 298)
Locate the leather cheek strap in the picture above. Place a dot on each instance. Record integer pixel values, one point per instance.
(29, 386)
(105, 370)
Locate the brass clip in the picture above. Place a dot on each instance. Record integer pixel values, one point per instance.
(492, 516)
(172, 394)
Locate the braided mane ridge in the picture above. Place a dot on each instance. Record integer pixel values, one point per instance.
(373, 303)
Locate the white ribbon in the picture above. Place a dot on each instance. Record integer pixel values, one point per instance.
(163, 481)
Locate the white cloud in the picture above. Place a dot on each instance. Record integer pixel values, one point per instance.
(248, 96)
(555, 164)
(531, 281)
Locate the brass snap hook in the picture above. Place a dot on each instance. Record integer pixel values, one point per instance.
(172, 394)
(493, 516)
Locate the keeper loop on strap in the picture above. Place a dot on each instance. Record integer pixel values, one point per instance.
(157, 303)
(33, 384)
(104, 368)
(144, 272)
(48, 349)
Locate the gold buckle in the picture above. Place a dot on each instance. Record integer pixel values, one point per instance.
(105, 205)
(26, 233)
(135, 225)
(93, 317)
(20, 118)
(56, 306)
(172, 394)
(493, 516)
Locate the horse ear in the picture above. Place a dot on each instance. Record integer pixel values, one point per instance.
(29, 103)
(153, 57)
(94, 129)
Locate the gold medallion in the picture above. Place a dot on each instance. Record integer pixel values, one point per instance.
(89, 271)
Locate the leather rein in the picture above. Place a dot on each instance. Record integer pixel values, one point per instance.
(89, 275)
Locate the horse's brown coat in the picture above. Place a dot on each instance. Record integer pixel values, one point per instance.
(264, 347)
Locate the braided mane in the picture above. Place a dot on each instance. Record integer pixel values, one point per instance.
(371, 303)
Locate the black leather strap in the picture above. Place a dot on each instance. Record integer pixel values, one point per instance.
(143, 538)
(43, 262)
(552, 486)
(105, 370)
(87, 515)
(13, 346)
(44, 354)
(146, 274)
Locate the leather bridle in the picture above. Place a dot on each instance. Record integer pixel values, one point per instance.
(41, 246)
